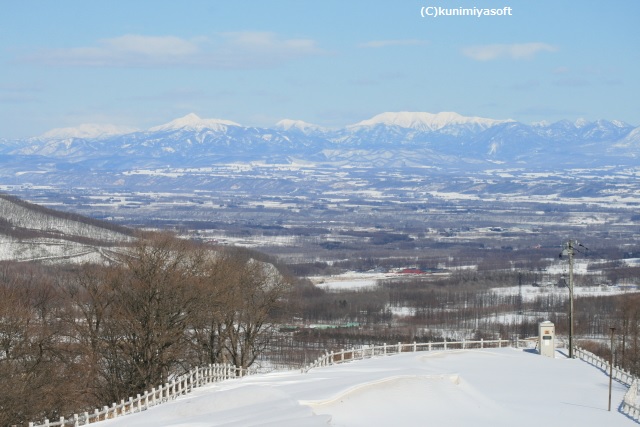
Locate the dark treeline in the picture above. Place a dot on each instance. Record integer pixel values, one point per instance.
(365, 307)
(76, 338)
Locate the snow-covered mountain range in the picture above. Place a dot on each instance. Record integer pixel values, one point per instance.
(391, 139)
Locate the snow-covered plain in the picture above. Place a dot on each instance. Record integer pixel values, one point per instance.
(530, 293)
(484, 387)
(355, 280)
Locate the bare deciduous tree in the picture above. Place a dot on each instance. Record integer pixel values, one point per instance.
(154, 295)
(256, 290)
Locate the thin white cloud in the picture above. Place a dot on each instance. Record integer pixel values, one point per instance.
(15, 94)
(251, 48)
(151, 46)
(387, 43)
(227, 50)
(130, 50)
(511, 51)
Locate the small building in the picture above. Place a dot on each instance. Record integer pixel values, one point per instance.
(547, 339)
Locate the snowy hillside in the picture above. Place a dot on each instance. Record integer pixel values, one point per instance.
(484, 387)
(29, 232)
(31, 217)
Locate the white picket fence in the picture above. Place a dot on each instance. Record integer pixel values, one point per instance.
(215, 373)
(629, 404)
(178, 386)
(366, 352)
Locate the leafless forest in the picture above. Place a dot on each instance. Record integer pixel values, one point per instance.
(76, 337)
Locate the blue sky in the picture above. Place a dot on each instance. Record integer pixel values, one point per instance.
(143, 63)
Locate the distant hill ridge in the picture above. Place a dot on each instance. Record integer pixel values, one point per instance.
(11, 215)
(32, 232)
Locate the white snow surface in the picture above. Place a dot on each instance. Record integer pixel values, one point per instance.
(349, 281)
(483, 387)
(193, 122)
(426, 121)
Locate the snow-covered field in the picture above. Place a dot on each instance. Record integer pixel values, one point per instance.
(363, 281)
(355, 280)
(350, 280)
(489, 387)
(530, 293)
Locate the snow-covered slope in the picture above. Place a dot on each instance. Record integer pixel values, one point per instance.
(632, 140)
(22, 215)
(32, 233)
(489, 387)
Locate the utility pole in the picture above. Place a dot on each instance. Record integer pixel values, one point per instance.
(571, 253)
(569, 250)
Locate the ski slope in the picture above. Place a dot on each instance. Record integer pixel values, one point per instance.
(484, 387)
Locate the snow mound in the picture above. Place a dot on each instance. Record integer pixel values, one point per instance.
(392, 404)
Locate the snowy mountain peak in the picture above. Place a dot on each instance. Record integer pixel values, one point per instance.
(581, 122)
(426, 121)
(86, 131)
(304, 127)
(541, 123)
(193, 122)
